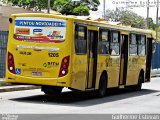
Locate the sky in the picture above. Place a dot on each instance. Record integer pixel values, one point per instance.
(137, 6)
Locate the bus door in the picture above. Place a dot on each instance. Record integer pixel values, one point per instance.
(92, 58)
(124, 59)
(148, 59)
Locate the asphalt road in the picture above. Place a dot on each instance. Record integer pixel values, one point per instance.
(116, 101)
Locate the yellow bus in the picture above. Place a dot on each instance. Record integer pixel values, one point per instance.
(56, 51)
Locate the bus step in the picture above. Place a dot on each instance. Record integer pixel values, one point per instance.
(121, 86)
(90, 89)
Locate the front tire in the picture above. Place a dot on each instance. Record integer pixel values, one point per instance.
(102, 87)
(51, 90)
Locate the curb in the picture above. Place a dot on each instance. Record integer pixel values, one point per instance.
(18, 88)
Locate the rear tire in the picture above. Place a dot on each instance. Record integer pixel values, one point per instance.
(139, 85)
(102, 87)
(51, 90)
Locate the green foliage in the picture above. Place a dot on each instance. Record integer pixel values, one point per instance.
(36, 5)
(81, 10)
(152, 25)
(81, 7)
(71, 7)
(113, 15)
(63, 6)
(126, 17)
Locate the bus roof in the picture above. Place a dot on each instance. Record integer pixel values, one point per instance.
(114, 26)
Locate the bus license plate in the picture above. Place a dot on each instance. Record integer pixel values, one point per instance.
(36, 73)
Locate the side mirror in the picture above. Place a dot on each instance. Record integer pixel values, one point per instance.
(10, 20)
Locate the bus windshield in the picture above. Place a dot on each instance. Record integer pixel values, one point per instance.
(39, 29)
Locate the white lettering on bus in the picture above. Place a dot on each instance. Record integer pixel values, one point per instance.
(37, 47)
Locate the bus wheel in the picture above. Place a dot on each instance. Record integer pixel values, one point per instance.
(102, 87)
(51, 90)
(139, 85)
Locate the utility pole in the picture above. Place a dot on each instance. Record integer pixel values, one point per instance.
(157, 30)
(148, 15)
(104, 8)
(49, 6)
(157, 20)
(127, 2)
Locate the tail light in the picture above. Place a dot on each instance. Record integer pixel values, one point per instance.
(11, 66)
(64, 66)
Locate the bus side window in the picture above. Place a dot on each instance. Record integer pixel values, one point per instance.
(133, 45)
(142, 45)
(115, 43)
(104, 42)
(80, 39)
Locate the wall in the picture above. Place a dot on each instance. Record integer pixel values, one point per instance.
(5, 13)
(156, 57)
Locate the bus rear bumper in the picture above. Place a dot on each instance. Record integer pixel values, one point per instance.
(17, 79)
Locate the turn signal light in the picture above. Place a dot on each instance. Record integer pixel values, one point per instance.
(11, 66)
(64, 66)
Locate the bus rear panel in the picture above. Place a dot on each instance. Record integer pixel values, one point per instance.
(37, 51)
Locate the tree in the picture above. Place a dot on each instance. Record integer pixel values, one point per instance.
(75, 8)
(152, 25)
(113, 15)
(126, 17)
(36, 5)
(72, 8)
(81, 7)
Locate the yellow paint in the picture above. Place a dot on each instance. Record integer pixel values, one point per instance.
(121, 72)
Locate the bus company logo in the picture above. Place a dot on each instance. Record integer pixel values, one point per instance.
(53, 54)
(24, 31)
(55, 35)
(50, 64)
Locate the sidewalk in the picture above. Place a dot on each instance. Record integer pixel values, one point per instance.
(16, 87)
(155, 72)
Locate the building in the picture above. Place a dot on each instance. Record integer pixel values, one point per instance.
(5, 13)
